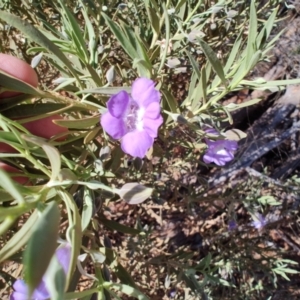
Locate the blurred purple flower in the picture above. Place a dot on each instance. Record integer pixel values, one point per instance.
(134, 119)
(220, 152)
(232, 225)
(63, 255)
(259, 221)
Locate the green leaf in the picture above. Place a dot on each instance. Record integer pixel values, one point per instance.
(167, 39)
(126, 289)
(36, 36)
(87, 211)
(252, 34)
(134, 193)
(51, 152)
(233, 53)
(213, 59)
(74, 232)
(11, 83)
(106, 90)
(194, 64)
(79, 124)
(170, 100)
(19, 239)
(235, 134)
(268, 200)
(233, 106)
(41, 245)
(125, 42)
(154, 20)
(142, 67)
(117, 226)
(124, 276)
(36, 109)
(97, 185)
(8, 184)
(74, 29)
(55, 279)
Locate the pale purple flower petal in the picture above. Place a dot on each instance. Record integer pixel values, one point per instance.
(220, 152)
(117, 104)
(20, 286)
(232, 225)
(135, 120)
(21, 291)
(259, 221)
(136, 143)
(63, 255)
(152, 111)
(151, 126)
(116, 128)
(144, 92)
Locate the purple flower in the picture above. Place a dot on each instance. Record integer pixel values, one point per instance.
(232, 225)
(220, 152)
(134, 119)
(63, 255)
(259, 221)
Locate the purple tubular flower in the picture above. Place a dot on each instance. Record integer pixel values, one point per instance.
(220, 152)
(232, 225)
(63, 255)
(136, 119)
(259, 222)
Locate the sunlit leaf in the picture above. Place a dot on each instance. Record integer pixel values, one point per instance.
(55, 279)
(84, 123)
(126, 289)
(117, 226)
(19, 239)
(41, 245)
(51, 152)
(36, 36)
(134, 193)
(213, 59)
(7, 184)
(36, 60)
(87, 211)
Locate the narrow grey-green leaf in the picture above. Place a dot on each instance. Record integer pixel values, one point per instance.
(76, 32)
(252, 34)
(111, 75)
(126, 289)
(117, 226)
(29, 110)
(213, 59)
(14, 84)
(55, 279)
(87, 211)
(51, 152)
(124, 276)
(170, 100)
(153, 18)
(134, 193)
(106, 90)
(7, 183)
(194, 64)
(79, 124)
(125, 43)
(41, 245)
(36, 60)
(36, 36)
(19, 239)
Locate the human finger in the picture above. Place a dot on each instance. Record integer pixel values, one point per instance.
(19, 69)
